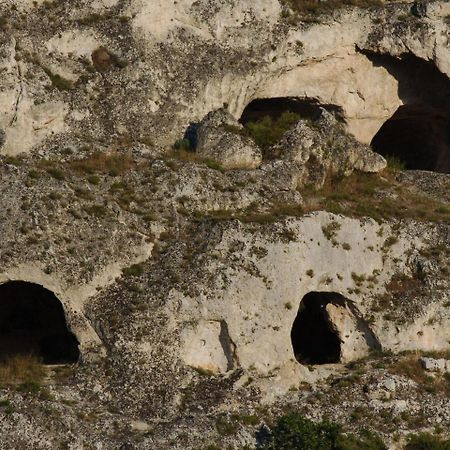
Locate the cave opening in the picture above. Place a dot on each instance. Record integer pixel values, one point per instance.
(314, 338)
(305, 108)
(418, 133)
(32, 322)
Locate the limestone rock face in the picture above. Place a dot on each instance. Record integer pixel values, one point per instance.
(435, 365)
(220, 138)
(183, 282)
(322, 148)
(180, 61)
(203, 347)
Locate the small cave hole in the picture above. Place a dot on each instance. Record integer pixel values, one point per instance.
(314, 338)
(32, 322)
(267, 120)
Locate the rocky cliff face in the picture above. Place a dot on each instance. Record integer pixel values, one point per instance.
(140, 71)
(211, 282)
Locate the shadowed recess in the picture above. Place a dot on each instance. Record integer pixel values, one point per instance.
(32, 321)
(314, 339)
(306, 108)
(417, 135)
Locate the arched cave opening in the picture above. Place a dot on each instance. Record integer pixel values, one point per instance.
(419, 136)
(314, 338)
(32, 322)
(418, 133)
(305, 108)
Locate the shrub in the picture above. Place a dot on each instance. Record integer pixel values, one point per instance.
(96, 210)
(395, 164)
(293, 431)
(426, 441)
(226, 427)
(267, 131)
(183, 144)
(136, 270)
(56, 173)
(58, 81)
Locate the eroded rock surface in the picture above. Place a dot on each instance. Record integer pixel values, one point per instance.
(221, 138)
(182, 275)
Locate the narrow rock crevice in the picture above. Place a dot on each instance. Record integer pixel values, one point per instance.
(228, 346)
(19, 95)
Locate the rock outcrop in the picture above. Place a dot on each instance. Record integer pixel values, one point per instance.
(322, 148)
(219, 137)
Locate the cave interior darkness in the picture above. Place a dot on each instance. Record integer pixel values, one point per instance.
(32, 322)
(418, 133)
(418, 136)
(306, 108)
(314, 339)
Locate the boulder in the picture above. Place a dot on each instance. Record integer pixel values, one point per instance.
(324, 148)
(435, 365)
(221, 138)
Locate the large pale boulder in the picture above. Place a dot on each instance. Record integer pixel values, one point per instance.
(202, 348)
(221, 138)
(323, 148)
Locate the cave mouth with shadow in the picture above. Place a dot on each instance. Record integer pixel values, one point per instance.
(314, 338)
(32, 322)
(304, 107)
(417, 135)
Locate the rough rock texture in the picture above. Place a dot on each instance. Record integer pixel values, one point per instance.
(322, 148)
(182, 280)
(220, 137)
(171, 64)
(435, 365)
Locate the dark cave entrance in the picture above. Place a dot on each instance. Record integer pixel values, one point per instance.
(417, 135)
(32, 322)
(305, 108)
(314, 338)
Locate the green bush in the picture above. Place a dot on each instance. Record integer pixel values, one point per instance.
(426, 441)
(136, 270)
(395, 164)
(267, 131)
(365, 441)
(183, 144)
(294, 432)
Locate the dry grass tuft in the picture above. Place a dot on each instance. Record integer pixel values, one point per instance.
(409, 366)
(374, 195)
(112, 163)
(21, 369)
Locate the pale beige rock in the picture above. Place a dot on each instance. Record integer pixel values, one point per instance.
(219, 139)
(354, 344)
(202, 348)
